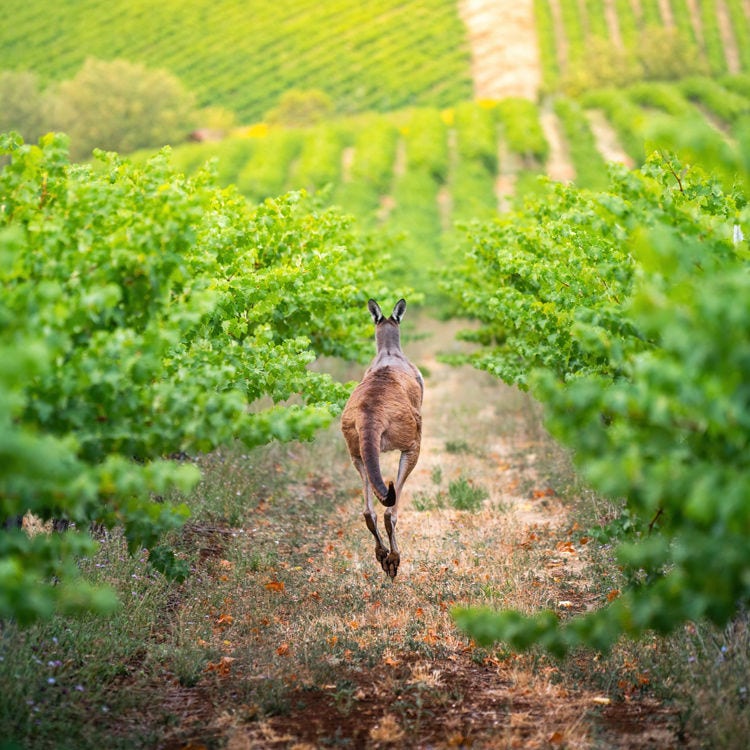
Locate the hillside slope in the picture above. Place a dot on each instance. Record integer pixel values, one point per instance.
(243, 54)
(505, 53)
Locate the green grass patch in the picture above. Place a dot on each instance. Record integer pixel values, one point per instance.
(464, 494)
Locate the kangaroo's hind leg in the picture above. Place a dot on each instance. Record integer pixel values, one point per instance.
(405, 466)
(371, 519)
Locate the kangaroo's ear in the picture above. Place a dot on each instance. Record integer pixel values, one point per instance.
(375, 311)
(399, 310)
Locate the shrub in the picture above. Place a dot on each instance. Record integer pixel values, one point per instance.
(465, 495)
(660, 54)
(300, 109)
(121, 106)
(23, 107)
(666, 54)
(603, 64)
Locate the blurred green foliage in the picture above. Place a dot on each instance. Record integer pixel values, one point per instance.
(116, 106)
(121, 106)
(627, 313)
(145, 314)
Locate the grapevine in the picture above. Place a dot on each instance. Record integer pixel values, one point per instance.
(145, 314)
(642, 367)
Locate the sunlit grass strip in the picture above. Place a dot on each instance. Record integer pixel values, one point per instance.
(741, 30)
(651, 15)
(548, 44)
(416, 224)
(371, 173)
(574, 31)
(522, 128)
(713, 43)
(476, 133)
(472, 191)
(726, 104)
(596, 21)
(231, 156)
(472, 180)
(682, 20)
(319, 163)
(416, 215)
(375, 153)
(426, 137)
(628, 24)
(662, 96)
(738, 83)
(266, 173)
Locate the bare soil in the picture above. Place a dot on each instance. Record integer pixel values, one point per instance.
(695, 19)
(665, 9)
(505, 63)
(558, 166)
(728, 39)
(505, 56)
(606, 139)
(613, 23)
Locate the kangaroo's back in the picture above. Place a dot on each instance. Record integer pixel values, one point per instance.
(387, 403)
(383, 414)
(388, 400)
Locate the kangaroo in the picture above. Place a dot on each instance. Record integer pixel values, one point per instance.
(384, 414)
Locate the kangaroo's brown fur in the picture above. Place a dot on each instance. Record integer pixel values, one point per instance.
(384, 414)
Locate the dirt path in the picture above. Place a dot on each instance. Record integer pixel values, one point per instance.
(606, 139)
(321, 649)
(613, 23)
(665, 10)
(505, 56)
(507, 176)
(695, 20)
(728, 39)
(561, 40)
(559, 167)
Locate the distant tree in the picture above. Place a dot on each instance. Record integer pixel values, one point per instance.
(215, 120)
(662, 55)
(301, 108)
(122, 106)
(666, 54)
(23, 106)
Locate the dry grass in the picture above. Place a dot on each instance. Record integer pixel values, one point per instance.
(288, 634)
(322, 649)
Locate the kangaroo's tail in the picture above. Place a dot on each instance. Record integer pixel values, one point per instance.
(369, 446)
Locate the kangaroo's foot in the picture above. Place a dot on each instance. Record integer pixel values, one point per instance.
(390, 564)
(381, 553)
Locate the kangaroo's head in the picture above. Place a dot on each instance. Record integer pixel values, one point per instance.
(387, 330)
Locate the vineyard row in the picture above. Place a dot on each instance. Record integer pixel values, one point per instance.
(418, 172)
(571, 33)
(242, 55)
